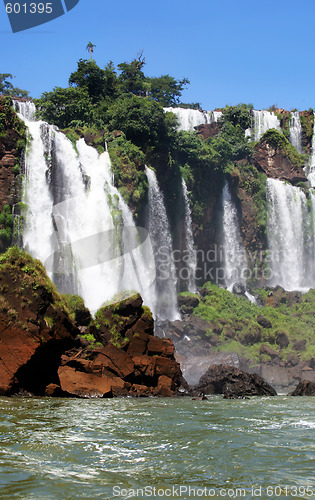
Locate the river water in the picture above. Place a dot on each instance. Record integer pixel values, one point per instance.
(103, 449)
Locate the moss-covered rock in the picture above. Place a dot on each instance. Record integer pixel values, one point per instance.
(35, 326)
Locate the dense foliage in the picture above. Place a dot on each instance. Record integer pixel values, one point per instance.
(99, 89)
(236, 318)
(7, 88)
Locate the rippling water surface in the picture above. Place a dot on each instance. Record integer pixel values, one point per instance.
(69, 448)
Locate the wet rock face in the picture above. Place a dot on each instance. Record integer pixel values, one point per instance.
(233, 383)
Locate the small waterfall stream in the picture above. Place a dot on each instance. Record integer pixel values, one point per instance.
(296, 131)
(165, 299)
(190, 258)
(235, 263)
(263, 121)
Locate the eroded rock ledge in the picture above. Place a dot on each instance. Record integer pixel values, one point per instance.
(44, 351)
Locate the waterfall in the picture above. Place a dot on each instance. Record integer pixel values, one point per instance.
(263, 121)
(77, 223)
(188, 119)
(215, 115)
(296, 131)
(38, 227)
(311, 168)
(290, 236)
(191, 256)
(159, 230)
(234, 252)
(25, 109)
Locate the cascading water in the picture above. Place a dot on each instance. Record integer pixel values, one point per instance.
(77, 222)
(263, 121)
(188, 119)
(290, 236)
(234, 252)
(296, 131)
(311, 167)
(190, 257)
(165, 299)
(38, 230)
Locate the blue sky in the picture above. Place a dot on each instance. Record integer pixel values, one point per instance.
(259, 52)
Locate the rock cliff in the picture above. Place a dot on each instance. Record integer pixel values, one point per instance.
(43, 350)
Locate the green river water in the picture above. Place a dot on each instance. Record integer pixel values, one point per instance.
(164, 448)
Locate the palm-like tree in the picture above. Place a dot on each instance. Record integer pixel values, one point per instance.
(90, 49)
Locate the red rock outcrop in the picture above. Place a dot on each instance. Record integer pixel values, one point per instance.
(273, 161)
(144, 367)
(34, 326)
(42, 350)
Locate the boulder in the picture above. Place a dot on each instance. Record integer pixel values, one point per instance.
(233, 382)
(197, 325)
(53, 390)
(264, 322)
(265, 349)
(83, 385)
(138, 344)
(160, 347)
(304, 388)
(187, 303)
(282, 340)
(299, 345)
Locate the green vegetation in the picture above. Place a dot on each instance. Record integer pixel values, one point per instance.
(13, 138)
(307, 124)
(6, 225)
(278, 140)
(284, 117)
(128, 163)
(112, 316)
(7, 89)
(252, 190)
(98, 96)
(28, 283)
(239, 316)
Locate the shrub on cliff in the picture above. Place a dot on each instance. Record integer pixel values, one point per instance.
(279, 141)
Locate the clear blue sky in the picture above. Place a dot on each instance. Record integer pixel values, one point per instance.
(259, 52)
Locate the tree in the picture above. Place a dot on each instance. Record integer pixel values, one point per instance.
(90, 49)
(131, 78)
(238, 115)
(142, 120)
(6, 87)
(66, 107)
(166, 90)
(90, 78)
